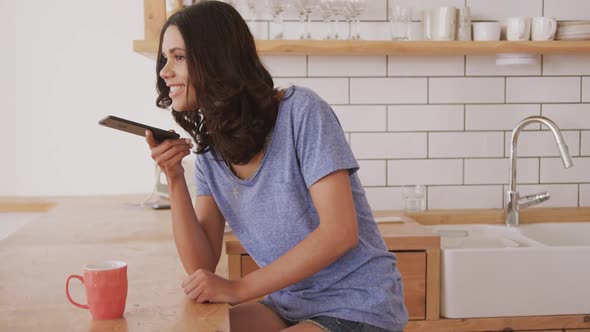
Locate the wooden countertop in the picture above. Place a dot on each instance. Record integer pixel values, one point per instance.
(37, 259)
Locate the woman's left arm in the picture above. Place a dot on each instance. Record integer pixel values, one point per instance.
(336, 234)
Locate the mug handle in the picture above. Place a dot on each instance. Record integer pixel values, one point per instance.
(553, 27)
(83, 306)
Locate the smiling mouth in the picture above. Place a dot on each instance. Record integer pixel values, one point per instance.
(175, 90)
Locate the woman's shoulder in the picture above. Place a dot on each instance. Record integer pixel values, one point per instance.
(301, 95)
(301, 102)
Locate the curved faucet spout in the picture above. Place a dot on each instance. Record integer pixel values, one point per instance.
(561, 146)
(513, 197)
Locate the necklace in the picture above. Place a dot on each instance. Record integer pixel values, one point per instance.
(235, 178)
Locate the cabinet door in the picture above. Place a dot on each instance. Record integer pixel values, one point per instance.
(412, 266)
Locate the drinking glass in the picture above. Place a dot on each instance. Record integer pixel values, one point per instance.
(278, 8)
(356, 8)
(327, 13)
(305, 9)
(400, 19)
(338, 7)
(414, 198)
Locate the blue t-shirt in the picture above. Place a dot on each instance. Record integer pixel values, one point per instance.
(272, 211)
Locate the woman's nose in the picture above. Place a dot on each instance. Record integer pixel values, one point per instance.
(165, 72)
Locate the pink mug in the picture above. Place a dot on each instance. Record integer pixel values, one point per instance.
(106, 289)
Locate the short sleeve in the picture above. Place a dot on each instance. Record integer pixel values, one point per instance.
(320, 143)
(202, 185)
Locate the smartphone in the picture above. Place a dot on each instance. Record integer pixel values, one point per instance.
(137, 128)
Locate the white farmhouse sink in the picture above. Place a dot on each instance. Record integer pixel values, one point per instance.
(530, 270)
(558, 234)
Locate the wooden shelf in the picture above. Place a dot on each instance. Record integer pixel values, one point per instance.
(365, 47)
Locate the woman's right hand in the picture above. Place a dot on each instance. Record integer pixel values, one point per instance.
(168, 154)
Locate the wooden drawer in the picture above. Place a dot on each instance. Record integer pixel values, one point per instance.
(412, 266)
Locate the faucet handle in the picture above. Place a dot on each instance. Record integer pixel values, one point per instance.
(533, 199)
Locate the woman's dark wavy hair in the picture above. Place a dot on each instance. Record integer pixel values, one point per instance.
(237, 101)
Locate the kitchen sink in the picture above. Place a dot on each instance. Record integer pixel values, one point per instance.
(558, 234)
(529, 270)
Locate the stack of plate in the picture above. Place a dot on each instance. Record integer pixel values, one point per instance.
(573, 30)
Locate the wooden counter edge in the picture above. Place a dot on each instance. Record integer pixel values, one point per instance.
(7, 205)
(492, 216)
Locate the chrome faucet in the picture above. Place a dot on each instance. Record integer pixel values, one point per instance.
(514, 201)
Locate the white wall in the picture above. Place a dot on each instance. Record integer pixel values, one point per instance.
(442, 121)
(66, 64)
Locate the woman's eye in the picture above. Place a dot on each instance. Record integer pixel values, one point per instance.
(179, 57)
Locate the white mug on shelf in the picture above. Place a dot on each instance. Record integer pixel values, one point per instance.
(544, 28)
(486, 31)
(518, 28)
(443, 25)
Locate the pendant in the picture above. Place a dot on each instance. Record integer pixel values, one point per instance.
(235, 192)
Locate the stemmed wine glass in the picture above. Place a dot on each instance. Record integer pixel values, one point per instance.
(327, 13)
(355, 9)
(278, 8)
(305, 9)
(338, 9)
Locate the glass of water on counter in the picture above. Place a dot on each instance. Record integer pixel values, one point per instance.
(414, 198)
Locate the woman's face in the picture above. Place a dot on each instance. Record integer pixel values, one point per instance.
(175, 71)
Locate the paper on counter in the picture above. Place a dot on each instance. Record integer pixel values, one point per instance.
(389, 219)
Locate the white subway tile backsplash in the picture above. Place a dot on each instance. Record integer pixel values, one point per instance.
(466, 90)
(388, 90)
(426, 172)
(385, 198)
(559, 64)
(446, 121)
(564, 10)
(259, 30)
(585, 143)
(372, 172)
(376, 11)
(584, 195)
(389, 145)
(586, 89)
(499, 116)
(425, 118)
(485, 65)
(568, 116)
(465, 197)
(562, 195)
(347, 66)
(362, 117)
(285, 66)
(426, 65)
(542, 89)
(552, 171)
(375, 30)
(542, 143)
(465, 145)
(332, 90)
(497, 171)
(497, 10)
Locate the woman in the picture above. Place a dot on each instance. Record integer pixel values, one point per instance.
(275, 165)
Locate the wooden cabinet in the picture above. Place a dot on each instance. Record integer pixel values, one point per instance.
(412, 266)
(418, 254)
